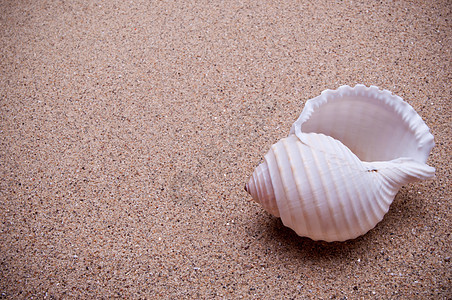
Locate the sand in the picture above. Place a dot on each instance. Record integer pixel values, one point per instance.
(129, 128)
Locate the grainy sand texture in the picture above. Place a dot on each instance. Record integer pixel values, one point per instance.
(129, 128)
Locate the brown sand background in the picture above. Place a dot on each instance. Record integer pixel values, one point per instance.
(129, 128)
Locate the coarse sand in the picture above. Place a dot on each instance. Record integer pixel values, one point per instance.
(129, 128)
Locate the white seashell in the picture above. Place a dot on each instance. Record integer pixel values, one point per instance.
(344, 161)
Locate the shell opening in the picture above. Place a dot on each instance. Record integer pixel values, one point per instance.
(374, 124)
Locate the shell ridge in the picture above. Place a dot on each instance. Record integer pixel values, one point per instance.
(356, 205)
(250, 188)
(377, 209)
(258, 187)
(303, 224)
(270, 191)
(386, 189)
(317, 218)
(283, 200)
(285, 150)
(304, 179)
(265, 189)
(358, 201)
(349, 200)
(344, 159)
(346, 167)
(384, 192)
(344, 200)
(319, 160)
(275, 179)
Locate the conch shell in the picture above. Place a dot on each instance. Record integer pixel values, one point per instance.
(336, 174)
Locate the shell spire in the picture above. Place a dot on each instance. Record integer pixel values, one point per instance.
(319, 186)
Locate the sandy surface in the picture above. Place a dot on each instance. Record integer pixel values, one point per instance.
(129, 128)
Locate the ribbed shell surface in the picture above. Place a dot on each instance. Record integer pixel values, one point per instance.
(328, 195)
(344, 161)
(323, 191)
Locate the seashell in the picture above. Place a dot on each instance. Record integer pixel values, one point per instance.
(336, 174)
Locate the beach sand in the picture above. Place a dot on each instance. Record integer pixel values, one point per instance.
(129, 129)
